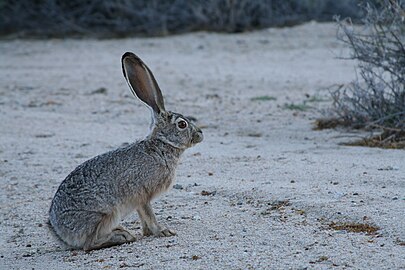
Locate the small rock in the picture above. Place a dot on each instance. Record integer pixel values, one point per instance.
(44, 135)
(387, 168)
(101, 90)
(208, 193)
(123, 265)
(257, 135)
(178, 186)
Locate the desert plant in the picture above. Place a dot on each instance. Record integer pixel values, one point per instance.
(160, 17)
(376, 99)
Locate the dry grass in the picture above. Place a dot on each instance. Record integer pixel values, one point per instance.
(385, 140)
(355, 228)
(328, 123)
(389, 139)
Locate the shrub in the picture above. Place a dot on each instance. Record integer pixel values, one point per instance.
(376, 99)
(152, 17)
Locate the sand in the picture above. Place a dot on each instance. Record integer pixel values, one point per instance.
(262, 191)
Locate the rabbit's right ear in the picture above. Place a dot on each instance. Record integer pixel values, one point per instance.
(141, 82)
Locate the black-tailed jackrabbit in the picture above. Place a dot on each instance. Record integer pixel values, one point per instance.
(92, 200)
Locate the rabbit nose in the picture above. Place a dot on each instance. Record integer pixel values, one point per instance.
(198, 136)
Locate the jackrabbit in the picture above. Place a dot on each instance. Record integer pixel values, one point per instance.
(91, 201)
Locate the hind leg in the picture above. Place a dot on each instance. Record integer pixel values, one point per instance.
(104, 236)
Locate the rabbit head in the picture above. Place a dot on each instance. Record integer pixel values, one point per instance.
(169, 127)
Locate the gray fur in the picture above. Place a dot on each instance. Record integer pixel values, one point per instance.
(93, 199)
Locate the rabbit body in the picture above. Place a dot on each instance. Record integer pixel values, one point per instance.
(92, 200)
(111, 185)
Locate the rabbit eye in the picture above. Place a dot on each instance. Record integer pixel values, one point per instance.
(182, 124)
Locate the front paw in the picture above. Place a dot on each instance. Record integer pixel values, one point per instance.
(161, 232)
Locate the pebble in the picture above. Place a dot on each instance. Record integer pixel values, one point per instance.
(177, 186)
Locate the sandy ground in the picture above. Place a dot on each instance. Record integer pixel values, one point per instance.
(259, 193)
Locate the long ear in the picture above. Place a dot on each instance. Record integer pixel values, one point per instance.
(141, 82)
